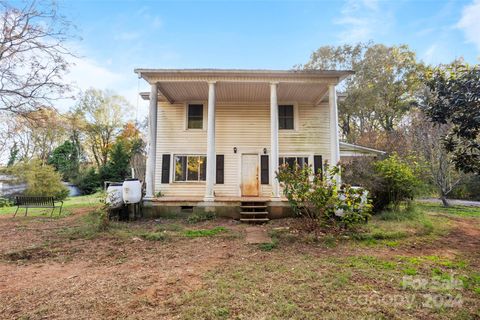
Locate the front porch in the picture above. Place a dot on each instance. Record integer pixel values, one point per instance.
(231, 207)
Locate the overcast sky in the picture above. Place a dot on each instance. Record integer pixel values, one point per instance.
(118, 36)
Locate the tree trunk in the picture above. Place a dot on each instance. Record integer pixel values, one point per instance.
(445, 201)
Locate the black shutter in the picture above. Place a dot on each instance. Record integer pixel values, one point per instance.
(166, 168)
(220, 168)
(317, 165)
(264, 169)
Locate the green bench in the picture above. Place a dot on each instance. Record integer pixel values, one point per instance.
(37, 202)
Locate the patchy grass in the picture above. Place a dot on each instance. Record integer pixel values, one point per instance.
(462, 211)
(204, 232)
(292, 286)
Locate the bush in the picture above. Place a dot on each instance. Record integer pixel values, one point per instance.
(320, 200)
(41, 180)
(4, 202)
(468, 189)
(400, 181)
(88, 181)
(389, 181)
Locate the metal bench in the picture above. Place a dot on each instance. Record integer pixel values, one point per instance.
(37, 202)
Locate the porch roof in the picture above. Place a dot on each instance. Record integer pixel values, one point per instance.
(235, 85)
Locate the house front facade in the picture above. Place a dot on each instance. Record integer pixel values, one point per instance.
(216, 137)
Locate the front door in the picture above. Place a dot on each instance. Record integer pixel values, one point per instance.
(249, 175)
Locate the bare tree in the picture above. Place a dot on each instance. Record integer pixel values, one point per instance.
(37, 133)
(429, 143)
(33, 56)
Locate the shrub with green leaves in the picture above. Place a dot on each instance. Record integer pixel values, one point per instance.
(4, 202)
(41, 179)
(319, 198)
(399, 179)
(88, 181)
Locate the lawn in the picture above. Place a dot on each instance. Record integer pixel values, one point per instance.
(71, 203)
(424, 264)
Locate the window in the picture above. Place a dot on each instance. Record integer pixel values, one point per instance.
(293, 161)
(195, 116)
(285, 117)
(190, 168)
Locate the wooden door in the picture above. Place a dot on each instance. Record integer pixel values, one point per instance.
(250, 175)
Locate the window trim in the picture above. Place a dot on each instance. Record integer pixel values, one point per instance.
(295, 116)
(185, 116)
(172, 167)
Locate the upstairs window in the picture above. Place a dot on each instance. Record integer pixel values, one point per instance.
(195, 116)
(190, 168)
(285, 117)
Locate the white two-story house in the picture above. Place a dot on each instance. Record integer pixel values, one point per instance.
(216, 137)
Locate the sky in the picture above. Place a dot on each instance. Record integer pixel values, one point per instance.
(115, 37)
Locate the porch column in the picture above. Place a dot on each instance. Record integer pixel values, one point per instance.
(334, 142)
(274, 139)
(211, 159)
(152, 143)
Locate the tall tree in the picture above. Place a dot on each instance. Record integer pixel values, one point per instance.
(103, 113)
(382, 90)
(454, 98)
(37, 133)
(33, 56)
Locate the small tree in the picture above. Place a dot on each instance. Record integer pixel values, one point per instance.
(116, 168)
(65, 160)
(41, 180)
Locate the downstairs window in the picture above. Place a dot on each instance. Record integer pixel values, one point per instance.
(190, 168)
(293, 161)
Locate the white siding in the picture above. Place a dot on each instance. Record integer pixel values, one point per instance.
(245, 126)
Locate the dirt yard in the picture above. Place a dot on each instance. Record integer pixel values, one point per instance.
(169, 269)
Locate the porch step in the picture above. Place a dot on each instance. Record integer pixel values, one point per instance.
(262, 214)
(253, 212)
(253, 207)
(254, 219)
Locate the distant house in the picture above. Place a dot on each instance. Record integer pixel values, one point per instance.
(216, 137)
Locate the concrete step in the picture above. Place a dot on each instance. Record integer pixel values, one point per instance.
(253, 207)
(254, 213)
(254, 219)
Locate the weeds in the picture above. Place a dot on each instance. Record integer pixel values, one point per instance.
(204, 232)
(268, 246)
(201, 216)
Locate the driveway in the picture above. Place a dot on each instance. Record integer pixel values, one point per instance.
(453, 202)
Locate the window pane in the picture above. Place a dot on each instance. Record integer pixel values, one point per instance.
(194, 123)
(290, 161)
(193, 168)
(302, 161)
(180, 168)
(285, 117)
(195, 116)
(203, 168)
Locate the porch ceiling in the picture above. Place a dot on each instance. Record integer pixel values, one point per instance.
(238, 86)
(179, 92)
